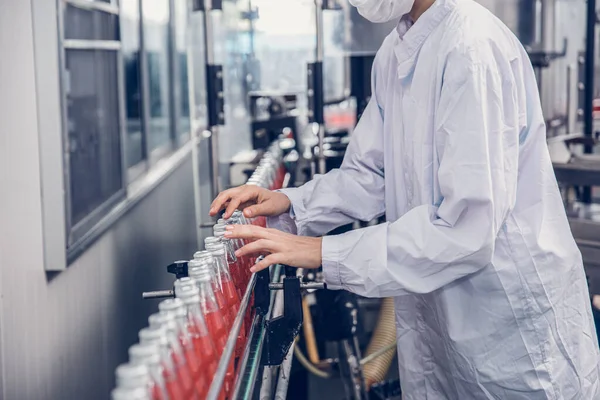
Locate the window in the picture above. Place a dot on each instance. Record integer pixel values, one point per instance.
(124, 100)
(131, 48)
(156, 45)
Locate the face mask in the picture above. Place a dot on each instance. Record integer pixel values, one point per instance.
(382, 10)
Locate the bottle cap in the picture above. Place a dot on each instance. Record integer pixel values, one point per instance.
(132, 376)
(174, 306)
(195, 263)
(211, 240)
(155, 335)
(198, 271)
(216, 249)
(191, 299)
(163, 319)
(144, 353)
(129, 394)
(182, 282)
(201, 255)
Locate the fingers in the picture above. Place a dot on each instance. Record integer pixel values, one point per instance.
(251, 232)
(257, 210)
(266, 262)
(259, 246)
(231, 199)
(221, 200)
(234, 204)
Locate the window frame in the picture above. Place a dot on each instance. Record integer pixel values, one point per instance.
(75, 232)
(138, 180)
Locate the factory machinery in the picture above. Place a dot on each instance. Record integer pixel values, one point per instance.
(286, 325)
(273, 310)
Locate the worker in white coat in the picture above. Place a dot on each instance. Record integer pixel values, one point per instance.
(490, 293)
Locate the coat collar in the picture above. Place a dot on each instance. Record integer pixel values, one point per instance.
(411, 36)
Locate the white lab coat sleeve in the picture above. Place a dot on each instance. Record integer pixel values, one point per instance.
(353, 192)
(476, 138)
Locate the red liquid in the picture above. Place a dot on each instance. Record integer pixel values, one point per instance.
(222, 304)
(234, 304)
(199, 379)
(184, 375)
(156, 392)
(217, 329)
(173, 387)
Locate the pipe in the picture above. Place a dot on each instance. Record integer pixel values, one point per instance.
(378, 353)
(308, 365)
(284, 375)
(588, 105)
(309, 334)
(384, 336)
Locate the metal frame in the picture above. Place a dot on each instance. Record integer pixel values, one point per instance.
(109, 8)
(61, 249)
(49, 112)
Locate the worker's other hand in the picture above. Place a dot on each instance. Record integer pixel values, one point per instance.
(278, 247)
(254, 201)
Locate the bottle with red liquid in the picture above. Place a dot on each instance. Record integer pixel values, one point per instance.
(210, 243)
(149, 355)
(158, 336)
(182, 367)
(176, 308)
(221, 264)
(217, 266)
(219, 234)
(120, 393)
(203, 344)
(201, 299)
(237, 218)
(196, 269)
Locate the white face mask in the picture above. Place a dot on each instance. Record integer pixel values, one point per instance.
(382, 10)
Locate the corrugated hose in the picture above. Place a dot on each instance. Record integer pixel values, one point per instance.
(380, 352)
(381, 349)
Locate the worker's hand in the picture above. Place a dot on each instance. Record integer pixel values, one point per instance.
(279, 247)
(254, 201)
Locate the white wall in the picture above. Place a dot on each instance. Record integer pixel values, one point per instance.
(62, 334)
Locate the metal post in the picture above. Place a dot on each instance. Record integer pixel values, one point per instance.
(319, 82)
(213, 138)
(588, 118)
(284, 375)
(548, 45)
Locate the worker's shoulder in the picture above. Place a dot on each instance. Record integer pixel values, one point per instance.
(472, 34)
(384, 54)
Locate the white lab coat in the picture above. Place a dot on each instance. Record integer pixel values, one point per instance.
(490, 292)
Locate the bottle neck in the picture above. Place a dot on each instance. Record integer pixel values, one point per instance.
(196, 317)
(221, 267)
(208, 301)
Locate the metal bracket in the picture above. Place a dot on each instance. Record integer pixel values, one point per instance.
(262, 295)
(281, 332)
(216, 97)
(542, 59)
(203, 5)
(179, 269)
(315, 92)
(251, 15)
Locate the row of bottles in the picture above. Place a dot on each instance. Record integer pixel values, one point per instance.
(178, 353)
